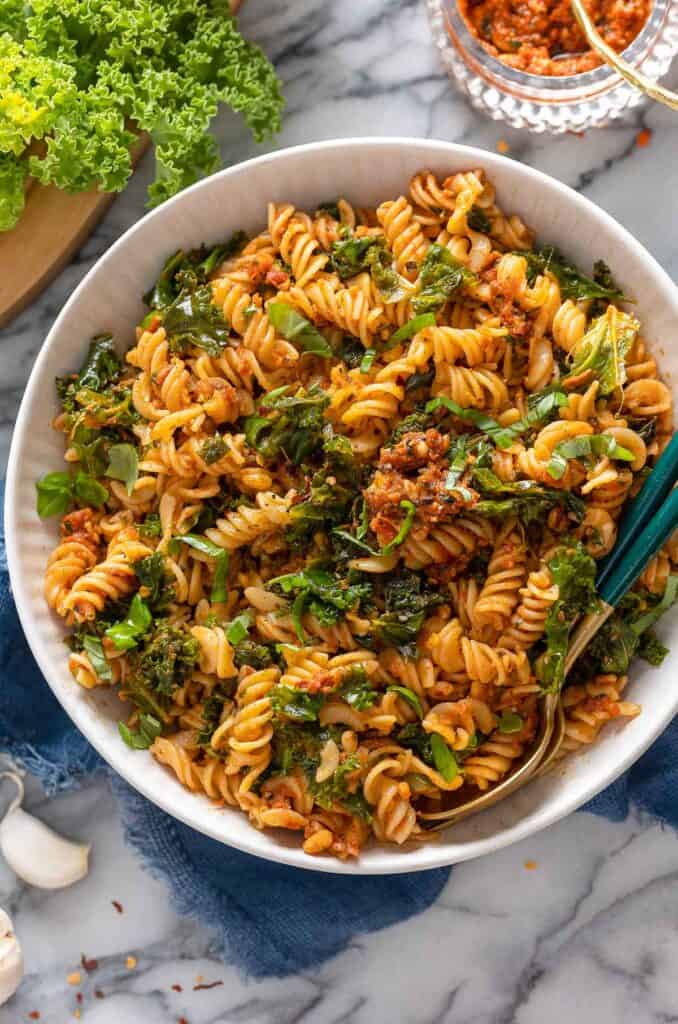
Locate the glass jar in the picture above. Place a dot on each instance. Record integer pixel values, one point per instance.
(550, 103)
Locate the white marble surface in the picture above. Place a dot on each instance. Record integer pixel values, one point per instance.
(590, 932)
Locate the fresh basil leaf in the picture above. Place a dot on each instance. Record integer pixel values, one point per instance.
(88, 491)
(55, 494)
(219, 583)
(237, 629)
(443, 758)
(123, 464)
(149, 728)
(203, 544)
(367, 360)
(410, 696)
(510, 721)
(586, 446)
(502, 436)
(94, 650)
(410, 510)
(364, 522)
(125, 635)
(356, 541)
(540, 407)
(297, 329)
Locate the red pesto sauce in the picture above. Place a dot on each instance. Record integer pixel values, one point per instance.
(529, 34)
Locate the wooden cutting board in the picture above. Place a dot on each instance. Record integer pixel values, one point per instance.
(53, 226)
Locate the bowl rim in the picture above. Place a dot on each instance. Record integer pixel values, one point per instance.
(398, 863)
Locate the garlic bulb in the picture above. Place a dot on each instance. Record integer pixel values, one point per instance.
(11, 959)
(36, 853)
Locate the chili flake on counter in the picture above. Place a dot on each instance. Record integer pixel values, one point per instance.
(542, 37)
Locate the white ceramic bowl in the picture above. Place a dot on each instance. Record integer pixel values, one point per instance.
(365, 171)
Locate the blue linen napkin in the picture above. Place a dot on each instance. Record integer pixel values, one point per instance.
(273, 920)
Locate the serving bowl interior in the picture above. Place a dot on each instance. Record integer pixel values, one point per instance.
(108, 299)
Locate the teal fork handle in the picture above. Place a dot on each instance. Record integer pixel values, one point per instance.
(645, 545)
(648, 500)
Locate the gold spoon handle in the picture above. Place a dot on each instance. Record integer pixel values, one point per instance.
(636, 78)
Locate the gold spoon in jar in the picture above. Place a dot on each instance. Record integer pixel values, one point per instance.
(634, 77)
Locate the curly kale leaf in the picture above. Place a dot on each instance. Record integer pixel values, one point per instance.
(573, 284)
(194, 319)
(628, 633)
(155, 582)
(574, 572)
(348, 255)
(602, 351)
(79, 72)
(407, 601)
(440, 278)
(102, 367)
(299, 745)
(188, 270)
(324, 596)
(527, 500)
(292, 426)
(167, 657)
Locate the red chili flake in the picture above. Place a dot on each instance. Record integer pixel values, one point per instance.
(89, 963)
(182, 1020)
(34, 1015)
(98, 994)
(117, 905)
(78, 997)
(177, 988)
(643, 138)
(212, 984)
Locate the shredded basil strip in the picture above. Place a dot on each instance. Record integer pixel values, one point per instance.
(582, 447)
(503, 437)
(203, 544)
(408, 695)
(444, 759)
(297, 329)
(94, 650)
(413, 326)
(410, 512)
(367, 360)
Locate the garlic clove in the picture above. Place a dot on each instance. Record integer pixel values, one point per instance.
(11, 959)
(38, 855)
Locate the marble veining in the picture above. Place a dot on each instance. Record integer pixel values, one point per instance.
(587, 930)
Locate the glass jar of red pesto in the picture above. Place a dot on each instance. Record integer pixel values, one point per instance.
(550, 103)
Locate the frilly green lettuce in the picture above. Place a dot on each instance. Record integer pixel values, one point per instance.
(78, 73)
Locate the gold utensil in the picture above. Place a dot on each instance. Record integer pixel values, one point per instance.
(634, 77)
(547, 743)
(648, 522)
